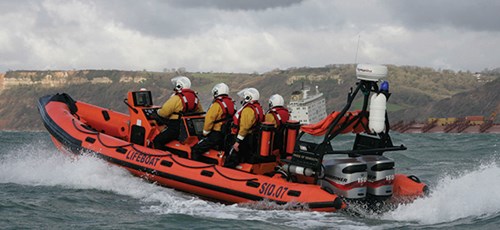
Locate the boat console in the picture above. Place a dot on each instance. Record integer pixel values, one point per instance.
(143, 126)
(145, 123)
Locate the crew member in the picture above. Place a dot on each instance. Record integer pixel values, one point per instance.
(219, 115)
(278, 115)
(245, 121)
(183, 100)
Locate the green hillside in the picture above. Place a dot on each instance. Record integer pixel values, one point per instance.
(411, 87)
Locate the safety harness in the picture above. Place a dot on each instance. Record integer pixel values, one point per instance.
(227, 105)
(189, 100)
(257, 109)
(280, 114)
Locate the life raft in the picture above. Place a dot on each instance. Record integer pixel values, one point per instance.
(355, 124)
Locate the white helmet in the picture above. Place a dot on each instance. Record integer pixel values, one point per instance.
(249, 94)
(220, 89)
(276, 100)
(181, 82)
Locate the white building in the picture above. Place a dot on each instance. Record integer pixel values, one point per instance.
(307, 108)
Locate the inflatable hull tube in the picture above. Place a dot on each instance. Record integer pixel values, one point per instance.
(409, 186)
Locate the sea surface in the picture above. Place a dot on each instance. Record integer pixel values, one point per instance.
(41, 188)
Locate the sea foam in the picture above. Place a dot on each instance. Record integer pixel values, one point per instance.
(29, 165)
(472, 194)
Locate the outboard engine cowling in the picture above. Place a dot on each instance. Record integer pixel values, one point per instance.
(346, 177)
(380, 171)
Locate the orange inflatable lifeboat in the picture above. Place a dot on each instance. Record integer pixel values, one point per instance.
(297, 172)
(77, 127)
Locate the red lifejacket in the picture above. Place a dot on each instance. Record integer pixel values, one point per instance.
(257, 109)
(280, 114)
(189, 100)
(227, 105)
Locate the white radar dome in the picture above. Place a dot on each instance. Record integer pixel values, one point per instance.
(370, 72)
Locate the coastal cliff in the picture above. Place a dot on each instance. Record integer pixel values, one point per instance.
(416, 91)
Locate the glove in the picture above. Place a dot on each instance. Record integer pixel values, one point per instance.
(159, 120)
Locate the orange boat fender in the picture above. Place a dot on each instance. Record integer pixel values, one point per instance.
(292, 130)
(409, 186)
(267, 129)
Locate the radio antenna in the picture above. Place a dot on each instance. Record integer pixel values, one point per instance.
(357, 48)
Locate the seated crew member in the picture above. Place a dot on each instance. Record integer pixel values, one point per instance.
(246, 119)
(278, 115)
(183, 100)
(220, 112)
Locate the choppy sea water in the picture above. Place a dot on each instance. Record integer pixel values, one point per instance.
(42, 188)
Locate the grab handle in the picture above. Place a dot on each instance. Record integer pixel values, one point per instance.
(126, 103)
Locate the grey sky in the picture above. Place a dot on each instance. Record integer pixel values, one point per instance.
(247, 36)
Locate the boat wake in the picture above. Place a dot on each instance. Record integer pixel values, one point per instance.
(29, 165)
(469, 197)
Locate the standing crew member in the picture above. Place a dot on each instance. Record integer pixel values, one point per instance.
(218, 115)
(184, 100)
(246, 119)
(278, 115)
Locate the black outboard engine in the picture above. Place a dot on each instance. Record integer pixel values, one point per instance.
(380, 171)
(346, 177)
